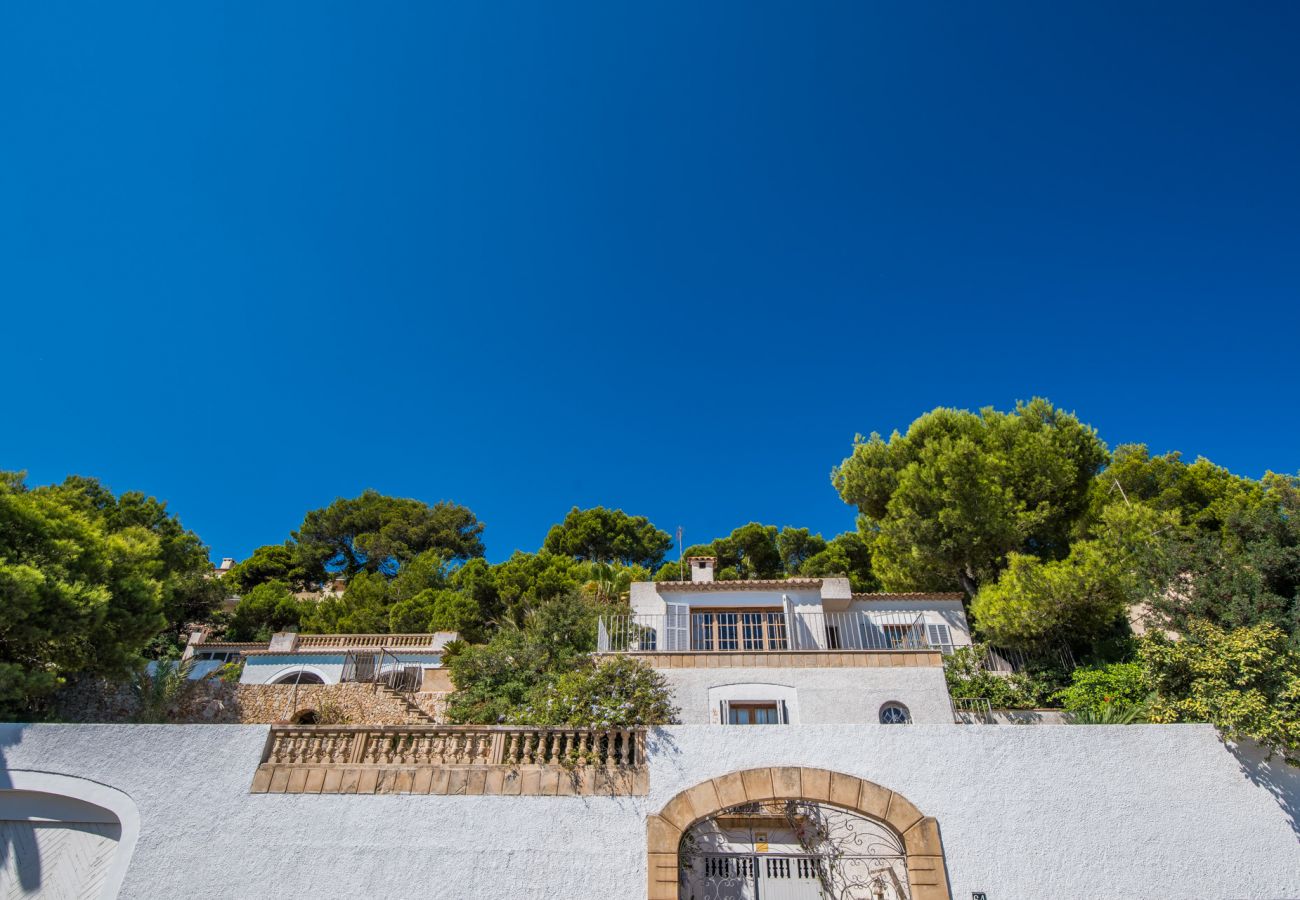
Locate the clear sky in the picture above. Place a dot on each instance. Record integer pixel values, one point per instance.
(668, 257)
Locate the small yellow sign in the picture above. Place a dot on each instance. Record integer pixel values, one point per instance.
(760, 842)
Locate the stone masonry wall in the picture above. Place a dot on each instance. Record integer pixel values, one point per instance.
(221, 703)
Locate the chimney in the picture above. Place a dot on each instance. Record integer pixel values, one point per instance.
(702, 568)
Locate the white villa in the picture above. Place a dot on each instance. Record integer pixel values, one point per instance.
(792, 651)
(411, 662)
(835, 801)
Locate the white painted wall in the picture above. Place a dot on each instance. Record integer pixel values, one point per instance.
(269, 668)
(821, 696)
(1093, 813)
(949, 612)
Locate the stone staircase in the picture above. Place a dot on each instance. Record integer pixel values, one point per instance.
(415, 714)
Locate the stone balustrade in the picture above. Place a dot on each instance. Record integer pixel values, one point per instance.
(449, 759)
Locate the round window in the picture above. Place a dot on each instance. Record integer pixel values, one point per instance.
(895, 714)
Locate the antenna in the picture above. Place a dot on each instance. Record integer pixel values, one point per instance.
(681, 561)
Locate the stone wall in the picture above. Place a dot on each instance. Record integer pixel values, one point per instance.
(221, 703)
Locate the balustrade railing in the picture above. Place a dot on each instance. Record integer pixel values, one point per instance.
(377, 641)
(758, 631)
(449, 745)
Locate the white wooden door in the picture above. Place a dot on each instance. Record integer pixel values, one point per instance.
(55, 860)
(788, 878)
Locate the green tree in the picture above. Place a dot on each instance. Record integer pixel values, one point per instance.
(751, 551)
(438, 610)
(1246, 681)
(1244, 572)
(268, 608)
(845, 554)
(179, 562)
(797, 546)
(75, 597)
(525, 581)
(364, 608)
(376, 533)
(610, 536)
(495, 680)
(1202, 494)
(943, 505)
(273, 562)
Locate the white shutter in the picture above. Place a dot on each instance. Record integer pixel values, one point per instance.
(602, 637)
(791, 633)
(677, 627)
(941, 637)
(785, 713)
(725, 708)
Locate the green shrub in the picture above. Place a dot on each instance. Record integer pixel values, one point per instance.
(1031, 689)
(620, 692)
(1116, 686)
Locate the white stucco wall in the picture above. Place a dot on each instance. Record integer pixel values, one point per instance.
(822, 696)
(1024, 812)
(266, 669)
(948, 612)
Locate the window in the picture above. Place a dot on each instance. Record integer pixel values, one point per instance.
(940, 637)
(903, 637)
(754, 714)
(741, 629)
(895, 714)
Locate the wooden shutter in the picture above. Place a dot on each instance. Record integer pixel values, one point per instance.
(677, 627)
(940, 637)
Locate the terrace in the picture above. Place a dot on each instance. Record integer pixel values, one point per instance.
(774, 637)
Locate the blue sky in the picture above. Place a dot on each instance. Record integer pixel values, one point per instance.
(668, 257)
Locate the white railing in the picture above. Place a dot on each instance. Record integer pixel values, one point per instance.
(750, 631)
(972, 711)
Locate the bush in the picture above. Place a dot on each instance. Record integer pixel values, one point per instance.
(1116, 686)
(1246, 681)
(616, 693)
(966, 677)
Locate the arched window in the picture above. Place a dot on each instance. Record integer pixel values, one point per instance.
(301, 676)
(895, 714)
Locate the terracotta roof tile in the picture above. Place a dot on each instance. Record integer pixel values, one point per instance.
(911, 595)
(753, 584)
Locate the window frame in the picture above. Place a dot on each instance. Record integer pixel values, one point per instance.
(766, 632)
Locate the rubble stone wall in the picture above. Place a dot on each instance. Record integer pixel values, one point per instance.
(222, 703)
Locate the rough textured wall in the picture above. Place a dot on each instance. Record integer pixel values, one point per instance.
(1095, 813)
(218, 702)
(822, 696)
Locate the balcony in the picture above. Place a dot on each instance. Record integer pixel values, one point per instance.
(774, 638)
(452, 759)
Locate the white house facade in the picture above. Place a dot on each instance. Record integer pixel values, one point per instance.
(792, 651)
(410, 661)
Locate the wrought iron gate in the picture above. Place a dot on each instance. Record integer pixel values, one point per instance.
(790, 876)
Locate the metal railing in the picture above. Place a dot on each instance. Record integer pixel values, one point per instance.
(381, 667)
(972, 711)
(454, 745)
(748, 631)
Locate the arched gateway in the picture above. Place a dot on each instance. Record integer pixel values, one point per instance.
(825, 835)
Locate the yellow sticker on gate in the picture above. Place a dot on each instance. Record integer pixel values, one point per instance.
(760, 842)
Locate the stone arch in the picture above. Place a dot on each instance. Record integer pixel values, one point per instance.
(919, 833)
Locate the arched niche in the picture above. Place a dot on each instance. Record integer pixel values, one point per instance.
(96, 826)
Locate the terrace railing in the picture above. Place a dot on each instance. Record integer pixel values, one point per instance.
(377, 641)
(380, 667)
(749, 631)
(450, 745)
(972, 711)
